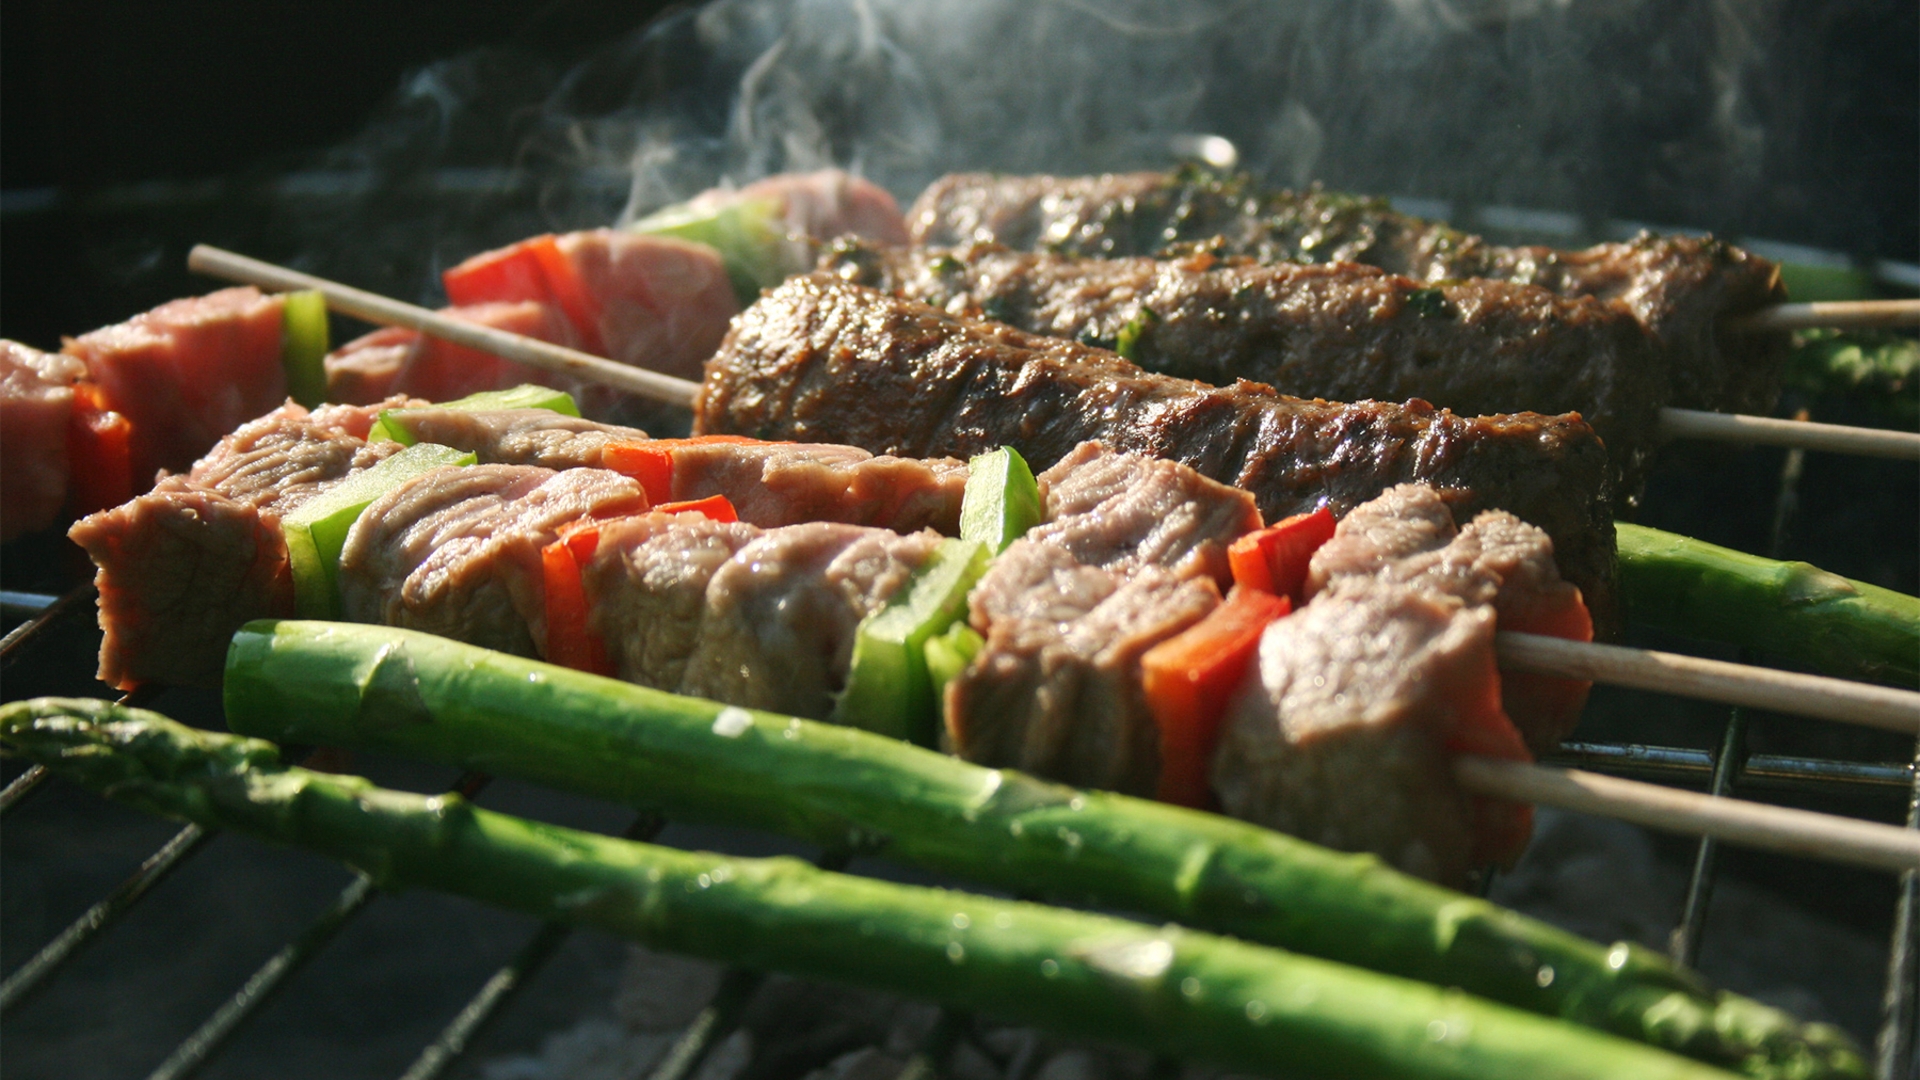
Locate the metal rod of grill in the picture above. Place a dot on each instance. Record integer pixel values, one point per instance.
(198, 1048)
(506, 983)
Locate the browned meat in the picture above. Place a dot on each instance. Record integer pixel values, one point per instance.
(780, 615)
(1343, 331)
(1128, 510)
(1680, 288)
(789, 483)
(456, 551)
(1056, 691)
(760, 618)
(36, 402)
(1127, 557)
(539, 437)
(647, 584)
(1346, 732)
(821, 358)
(769, 484)
(1407, 536)
(183, 566)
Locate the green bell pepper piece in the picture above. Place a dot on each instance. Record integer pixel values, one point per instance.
(889, 690)
(392, 424)
(317, 531)
(303, 346)
(948, 655)
(1002, 500)
(749, 235)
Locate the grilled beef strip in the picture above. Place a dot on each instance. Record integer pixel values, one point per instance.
(1678, 287)
(1344, 331)
(820, 358)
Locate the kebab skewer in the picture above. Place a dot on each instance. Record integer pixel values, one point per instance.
(1770, 594)
(217, 525)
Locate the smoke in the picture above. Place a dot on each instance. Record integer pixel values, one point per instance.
(1638, 109)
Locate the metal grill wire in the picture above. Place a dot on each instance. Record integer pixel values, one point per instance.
(1893, 1051)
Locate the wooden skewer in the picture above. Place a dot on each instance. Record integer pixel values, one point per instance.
(215, 262)
(1836, 314)
(1768, 431)
(375, 308)
(1713, 680)
(1737, 821)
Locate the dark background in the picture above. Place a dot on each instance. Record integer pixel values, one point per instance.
(130, 130)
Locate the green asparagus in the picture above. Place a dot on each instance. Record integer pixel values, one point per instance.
(1837, 625)
(1171, 990)
(394, 690)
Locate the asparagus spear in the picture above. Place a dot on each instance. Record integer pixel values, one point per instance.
(1837, 625)
(410, 693)
(1171, 990)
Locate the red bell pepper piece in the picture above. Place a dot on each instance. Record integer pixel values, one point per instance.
(1189, 679)
(1275, 559)
(571, 641)
(651, 462)
(533, 269)
(717, 507)
(100, 449)
(1480, 727)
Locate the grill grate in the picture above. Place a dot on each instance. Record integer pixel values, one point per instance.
(1722, 769)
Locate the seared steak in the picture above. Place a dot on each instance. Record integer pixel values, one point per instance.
(1344, 331)
(1679, 287)
(823, 359)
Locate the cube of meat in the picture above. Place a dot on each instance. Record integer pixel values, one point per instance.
(1408, 535)
(188, 372)
(456, 551)
(36, 404)
(1346, 729)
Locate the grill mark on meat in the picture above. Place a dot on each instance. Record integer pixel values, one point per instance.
(1679, 287)
(456, 551)
(1345, 332)
(823, 359)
